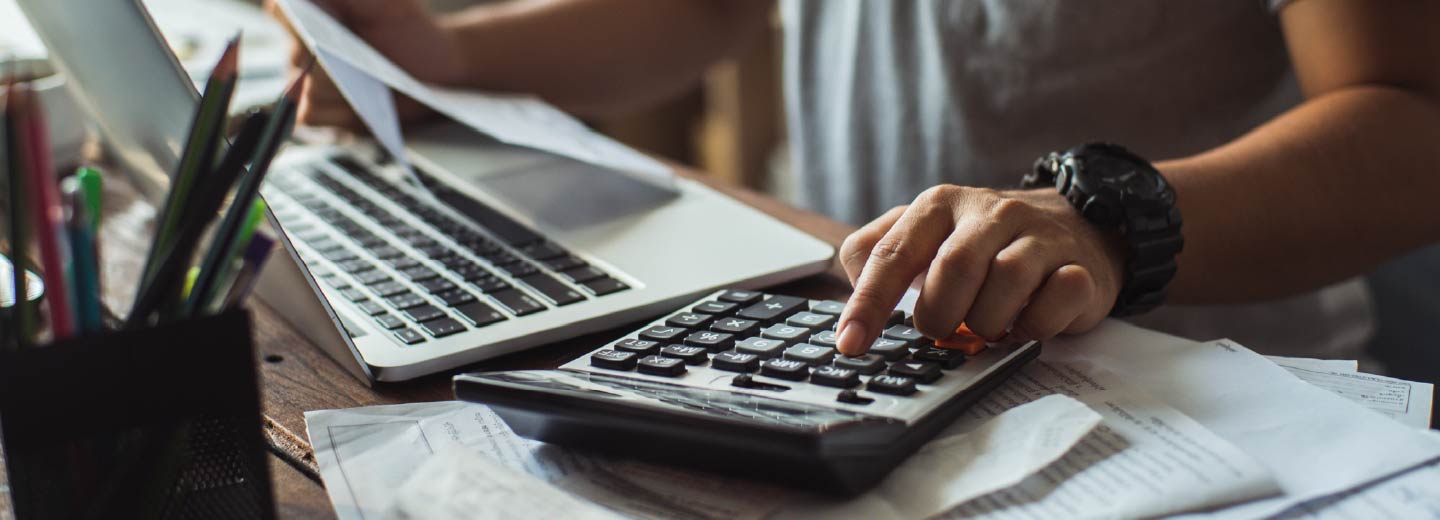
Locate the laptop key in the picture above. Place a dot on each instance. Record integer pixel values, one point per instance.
(371, 307)
(405, 301)
(519, 304)
(388, 289)
(558, 293)
(519, 269)
(403, 262)
(479, 314)
(583, 274)
(470, 272)
(491, 284)
(564, 263)
(358, 265)
(773, 309)
(373, 277)
(354, 294)
(614, 359)
(504, 227)
(409, 336)
(437, 285)
(455, 297)
(661, 366)
(543, 251)
(442, 327)
(423, 313)
(390, 321)
(604, 286)
(419, 273)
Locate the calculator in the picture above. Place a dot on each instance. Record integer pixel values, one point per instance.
(750, 384)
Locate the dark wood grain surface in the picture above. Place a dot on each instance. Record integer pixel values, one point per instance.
(298, 377)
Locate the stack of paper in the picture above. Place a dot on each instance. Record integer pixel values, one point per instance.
(1120, 423)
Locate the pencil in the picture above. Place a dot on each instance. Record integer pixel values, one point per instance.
(229, 242)
(206, 134)
(245, 277)
(46, 214)
(225, 234)
(84, 264)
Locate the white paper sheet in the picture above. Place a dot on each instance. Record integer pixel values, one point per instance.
(1329, 365)
(364, 455)
(1314, 442)
(458, 485)
(1412, 495)
(511, 118)
(1408, 402)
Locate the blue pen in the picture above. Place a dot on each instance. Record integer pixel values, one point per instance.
(84, 264)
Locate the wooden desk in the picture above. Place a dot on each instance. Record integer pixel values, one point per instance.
(297, 376)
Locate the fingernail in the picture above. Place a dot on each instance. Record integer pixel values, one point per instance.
(852, 337)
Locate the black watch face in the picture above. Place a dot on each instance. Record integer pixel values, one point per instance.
(1125, 176)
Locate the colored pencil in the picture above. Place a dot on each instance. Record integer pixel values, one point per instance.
(245, 277)
(46, 214)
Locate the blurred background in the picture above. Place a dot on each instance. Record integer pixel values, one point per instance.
(730, 126)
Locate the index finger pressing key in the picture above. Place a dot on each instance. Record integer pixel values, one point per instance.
(894, 261)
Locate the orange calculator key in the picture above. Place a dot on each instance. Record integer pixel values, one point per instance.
(963, 340)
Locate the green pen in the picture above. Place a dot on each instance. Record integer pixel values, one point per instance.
(92, 183)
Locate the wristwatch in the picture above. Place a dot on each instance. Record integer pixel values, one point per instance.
(1117, 190)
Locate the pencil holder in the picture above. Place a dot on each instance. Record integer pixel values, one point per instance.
(161, 422)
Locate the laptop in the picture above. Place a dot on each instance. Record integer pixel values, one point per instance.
(497, 250)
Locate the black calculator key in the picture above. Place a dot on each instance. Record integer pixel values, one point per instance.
(422, 313)
(558, 293)
(893, 385)
(405, 301)
(661, 366)
(890, 349)
(825, 338)
(946, 358)
(740, 297)
(736, 326)
(692, 320)
(691, 355)
(853, 397)
(810, 354)
(371, 307)
(456, 297)
(372, 277)
(736, 361)
(917, 370)
(442, 327)
(898, 318)
(830, 307)
(409, 336)
(811, 319)
(614, 359)
(479, 314)
(865, 364)
(765, 348)
(710, 340)
(787, 333)
(716, 308)
(638, 346)
(583, 274)
(836, 377)
(787, 369)
(388, 289)
(663, 334)
(390, 321)
(435, 285)
(604, 286)
(773, 309)
(904, 333)
(519, 303)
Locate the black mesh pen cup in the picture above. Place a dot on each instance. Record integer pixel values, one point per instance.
(161, 423)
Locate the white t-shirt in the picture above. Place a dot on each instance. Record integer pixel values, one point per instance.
(886, 98)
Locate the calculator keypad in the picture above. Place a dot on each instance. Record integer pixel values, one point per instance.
(785, 346)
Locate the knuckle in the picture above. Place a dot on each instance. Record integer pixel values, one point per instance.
(1012, 268)
(891, 250)
(1004, 208)
(954, 258)
(938, 194)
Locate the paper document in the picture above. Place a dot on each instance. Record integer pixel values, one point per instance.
(1329, 365)
(459, 485)
(366, 454)
(521, 120)
(1413, 495)
(1408, 402)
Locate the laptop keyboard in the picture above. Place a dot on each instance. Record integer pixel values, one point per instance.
(410, 279)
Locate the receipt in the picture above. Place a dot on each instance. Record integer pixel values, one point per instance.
(460, 485)
(1408, 402)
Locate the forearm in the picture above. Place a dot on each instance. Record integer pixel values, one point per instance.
(595, 57)
(1321, 193)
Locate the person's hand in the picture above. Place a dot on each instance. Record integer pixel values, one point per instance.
(403, 31)
(1017, 263)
